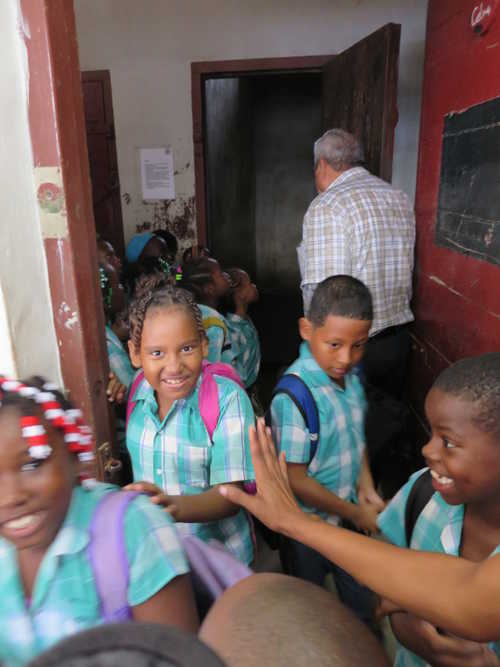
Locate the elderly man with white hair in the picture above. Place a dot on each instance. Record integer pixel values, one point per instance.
(361, 226)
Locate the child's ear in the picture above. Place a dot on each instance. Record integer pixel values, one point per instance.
(204, 347)
(135, 357)
(305, 328)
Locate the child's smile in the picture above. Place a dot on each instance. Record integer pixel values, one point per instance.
(463, 459)
(171, 354)
(36, 493)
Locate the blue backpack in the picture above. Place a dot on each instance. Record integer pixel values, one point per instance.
(298, 391)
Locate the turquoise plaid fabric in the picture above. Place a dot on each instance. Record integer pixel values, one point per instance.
(119, 361)
(337, 462)
(246, 347)
(177, 455)
(219, 342)
(65, 599)
(438, 528)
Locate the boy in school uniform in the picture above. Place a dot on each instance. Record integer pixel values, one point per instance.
(335, 483)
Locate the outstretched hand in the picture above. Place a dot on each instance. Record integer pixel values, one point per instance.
(274, 503)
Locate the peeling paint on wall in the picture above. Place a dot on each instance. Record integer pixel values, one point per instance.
(51, 202)
(178, 216)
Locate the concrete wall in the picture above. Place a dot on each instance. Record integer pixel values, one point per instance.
(28, 343)
(148, 47)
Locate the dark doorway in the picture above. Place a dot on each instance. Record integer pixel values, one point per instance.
(260, 131)
(254, 123)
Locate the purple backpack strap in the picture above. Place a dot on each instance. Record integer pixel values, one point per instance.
(108, 555)
(213, 567)
(130, 402)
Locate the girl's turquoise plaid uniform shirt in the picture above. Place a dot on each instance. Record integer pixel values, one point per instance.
(246, 347)
(337, 462)
(438, 528)
(65, 600)
(176, 455)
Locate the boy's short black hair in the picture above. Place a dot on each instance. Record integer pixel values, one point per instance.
(340, 295)
(476, 379)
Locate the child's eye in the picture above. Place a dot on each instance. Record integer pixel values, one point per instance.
(447, 444)
(360, 345)
(31, 465)
(156, 353)
(188, 348)
(334, 345)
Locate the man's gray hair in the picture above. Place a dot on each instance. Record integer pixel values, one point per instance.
(339, 149)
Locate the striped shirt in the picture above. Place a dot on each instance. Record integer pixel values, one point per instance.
(246, 347)
(177, 455)
(438, 528)
(65, 599)
(361, 226)
(337, 462)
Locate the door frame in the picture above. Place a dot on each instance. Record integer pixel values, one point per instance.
(200, 72)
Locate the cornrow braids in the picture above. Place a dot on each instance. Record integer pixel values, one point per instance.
(196, 274)
(148, 297)
(35, 395)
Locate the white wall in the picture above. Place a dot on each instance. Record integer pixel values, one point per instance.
(148, 47)
(28, 343)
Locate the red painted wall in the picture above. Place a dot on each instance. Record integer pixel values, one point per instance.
(457, 297)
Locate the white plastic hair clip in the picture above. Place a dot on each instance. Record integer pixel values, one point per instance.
(40, 451)
(74, 413)
(44, 397)
(50, 386)
(11, 385)
(28, 392)
(86, 456)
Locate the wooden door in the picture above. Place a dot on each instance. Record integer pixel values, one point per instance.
(359, 95)
(99, 122)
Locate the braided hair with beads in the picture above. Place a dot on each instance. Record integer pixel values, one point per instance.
(35, 395)
(152, 293)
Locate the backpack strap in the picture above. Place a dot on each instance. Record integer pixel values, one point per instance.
(208, 393)
(420, 494)
(130, 401)
(214, 321)
(108, 555)
(298, 391)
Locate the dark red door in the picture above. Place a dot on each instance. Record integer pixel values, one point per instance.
(360, 95)
(101, 143)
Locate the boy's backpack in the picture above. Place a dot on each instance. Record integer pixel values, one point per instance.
(298, 391)
(208, 395)
(213, 568)
(217, 321)
(420, 494)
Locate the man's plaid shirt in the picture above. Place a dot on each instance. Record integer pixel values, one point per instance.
(361, 226)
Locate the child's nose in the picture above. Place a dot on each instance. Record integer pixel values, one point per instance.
(13, 492)
(431, 450)
(345, 355)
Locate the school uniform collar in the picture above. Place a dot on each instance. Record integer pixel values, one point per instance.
(145, 393)
(316, 375)
(451, 535)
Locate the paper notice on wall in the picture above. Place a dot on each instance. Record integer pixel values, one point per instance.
(157, 173)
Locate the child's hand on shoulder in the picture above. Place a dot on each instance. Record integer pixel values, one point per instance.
(365, 517)
(116, 391)
(438, 649)
(156, 495)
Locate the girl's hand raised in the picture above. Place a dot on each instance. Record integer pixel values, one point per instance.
(274, 503)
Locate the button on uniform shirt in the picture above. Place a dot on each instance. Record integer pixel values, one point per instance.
(438, 528)
(246, 347)
(65, 599)
(216, 329)
(177, 455)
(361, 226)
(337, 462)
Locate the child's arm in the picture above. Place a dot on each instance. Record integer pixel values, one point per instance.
(199, 508)
(452, 593)
(173, 605)
(366, 487)
(436, 648)
(312, 493)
